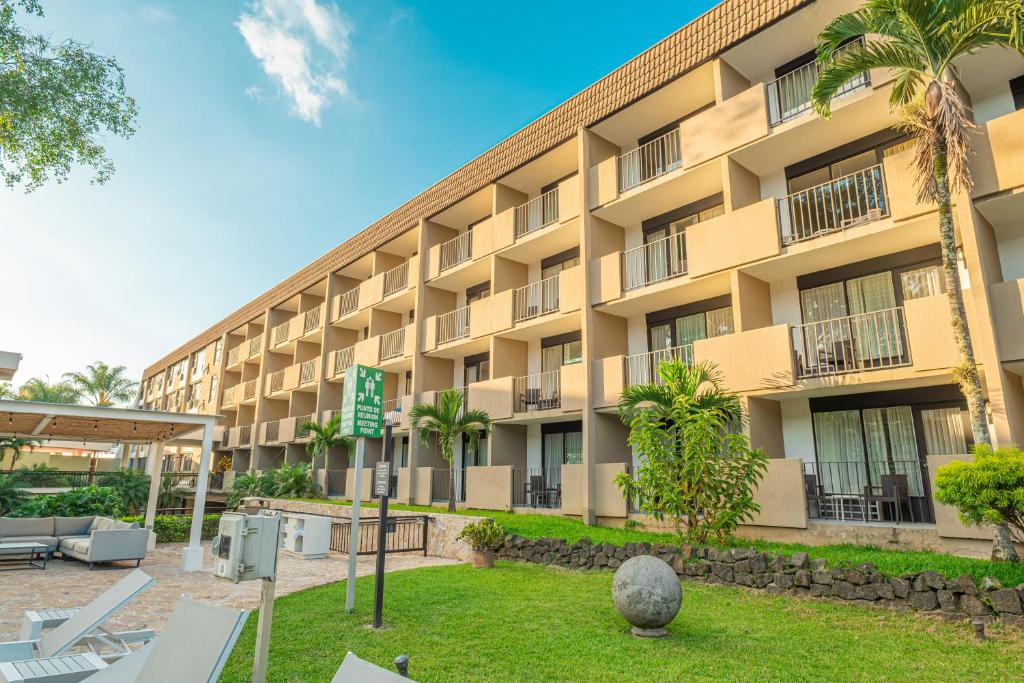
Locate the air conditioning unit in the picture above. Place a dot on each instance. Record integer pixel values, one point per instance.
(245, 547)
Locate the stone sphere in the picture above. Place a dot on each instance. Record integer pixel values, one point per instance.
(647, 594)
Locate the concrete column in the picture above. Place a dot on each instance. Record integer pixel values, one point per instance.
(126, 451)
(154, 462)
(192, 556)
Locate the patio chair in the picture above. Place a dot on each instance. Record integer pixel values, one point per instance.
(355, 670)
(84, 627)
(815, 494)
(890, 495)
(535, 490)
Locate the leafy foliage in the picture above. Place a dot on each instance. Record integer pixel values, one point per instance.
(131, 485)
(12, 495)
(323, 438)
(57, 102)
(448, 421)
(39, 389)
(288, 481)
(103, 385)
(293, 481)
(176, 528)
(989, 490)
(696, 468)
(88, 500)
(15, 447)
(483, 535)
(170, 496)
(38, 475)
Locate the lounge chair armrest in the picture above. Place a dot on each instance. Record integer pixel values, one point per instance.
(17, 650)
(118, 544)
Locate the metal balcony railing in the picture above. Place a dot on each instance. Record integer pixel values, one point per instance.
(279, 334)
(655, 261)
(541, 391)
(272, 431)
(231, 395)
(392, 344)
(245, 435)
(650, 160)
(838, 204)
(307, 371)
(642, 368)
(537, 487)
(537, 213)
(789, 95)
(390, 409)
(853, 343)
(343, 358)
(396, 279)
(534, 300)
(311, 320)
(348, 302)
(441, 481)
(248, 390)
(456, 251)
(300, 420)
(276, 381)
(887, 491)
(256, 345)
(453, 325)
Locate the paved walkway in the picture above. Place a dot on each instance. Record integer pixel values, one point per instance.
(71, 584)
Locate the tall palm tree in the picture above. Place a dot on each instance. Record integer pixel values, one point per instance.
(449, 421)
(921, 42)
(103, 385)
(698, 385)
(39, 389)
(323, 438)
(16, 446)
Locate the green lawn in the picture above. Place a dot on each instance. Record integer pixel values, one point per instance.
(523, 622)
(889, 562)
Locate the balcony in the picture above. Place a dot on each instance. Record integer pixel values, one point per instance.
(853, 343)
(239, 437)
(298, 376)
(833, 206)
(789, 95)
(396, 411)
(642, 368)
(541, 391)
(534, 300)
(393, 345)
(248, 391)
(654, 262)
(456, 251)
(536, 214)
(250, 348)
(231, 396)
(299, 326)
(396, 279)
(537, 487)
(345, 303)
(452, 326)
(648, 161)
(891, 491)
(338, 361)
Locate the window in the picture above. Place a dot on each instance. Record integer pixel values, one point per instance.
(553, 265)
(922, 282)
(213, 389)
(403, 453)
(683, 330)
(476, 369)
(478, 292)
(218, 348)
(562, 444)
(474, 457)
(1017, 91)
(562, 350)
(408, 383)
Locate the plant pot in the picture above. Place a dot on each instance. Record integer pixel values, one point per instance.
(483, 559)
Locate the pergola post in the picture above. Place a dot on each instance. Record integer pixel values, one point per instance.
(192, 556)
(126, 451)
(154, 465)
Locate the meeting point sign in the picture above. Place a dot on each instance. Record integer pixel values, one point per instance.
(362, 402)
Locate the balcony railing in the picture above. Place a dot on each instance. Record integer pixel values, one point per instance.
(276, 381)
(245, 435)
(279, 334)
(836, 205)
(256, 345)
(534, 300)
(440, 485)
(885, 490)
(231, 395)
(235, 354)
(272, 432)
(854, 343)
(642, 368)
(537, 487)
(392, 344)
(343, 359)
(453, 325)
(311, 320)
(541, 391)
(396, 279)
(789, 95)
(456, 251)
(655, 261)
(650, 160)
(307, 371)
(300, 420)
(348, 302)
(537, 213)
(391, 410)
(248, 390)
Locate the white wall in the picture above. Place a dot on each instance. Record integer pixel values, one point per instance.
(533, 446)
(1011, 256)
(785, 302)
(797, 429)
(636, 334)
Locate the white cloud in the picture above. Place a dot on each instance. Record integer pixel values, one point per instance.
(303, 45)
(156, 15)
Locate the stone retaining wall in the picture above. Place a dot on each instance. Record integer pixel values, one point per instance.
(927, 592)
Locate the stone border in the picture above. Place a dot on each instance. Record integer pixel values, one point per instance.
(928, 592)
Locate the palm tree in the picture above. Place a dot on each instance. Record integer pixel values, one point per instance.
(11, 495)
(39, 389)
(698, 385)
(132, 485)
(322, 438)
(921, 43)
(102, 384)
(449, 421)
(16, 446)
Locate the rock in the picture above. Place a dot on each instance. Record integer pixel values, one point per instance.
(723, 571)
(647, 594)
(1013, 620)
(741, 554)
(948, 600)
(798, 560)
(619, 554)
(802, 578)
(783, 581)
(962, 584)
(866, 592)
(900, 587)
(1006, 601)
(600, 559)
(844, 590)
(742, 567)
(678, 564)
(774, 589)
(856, 577)
(777, 564)
(973, 606)
(989, 583)
(819, 563)
(923, 600)
(818, 590)
(929, 579)
(884, 591)
(614, 563)
(758, 563)
(866, 567)
(762, 580)
(822, 576)
(743, 579)
(876, 577)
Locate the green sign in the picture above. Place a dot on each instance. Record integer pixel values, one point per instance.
(362, 402)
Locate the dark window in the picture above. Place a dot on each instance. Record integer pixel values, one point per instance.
(561, 443)
(1017, 90)
(683, 325)
(555, 264)
(477, 292)
(476, 368)
(563, 349)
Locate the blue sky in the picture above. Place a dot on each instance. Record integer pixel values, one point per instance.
(269, 132)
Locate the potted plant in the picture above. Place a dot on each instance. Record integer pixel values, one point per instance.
(484, 537)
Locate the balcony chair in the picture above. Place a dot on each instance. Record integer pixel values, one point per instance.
(890, 496)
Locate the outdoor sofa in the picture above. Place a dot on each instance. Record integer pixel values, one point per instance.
(90, 539)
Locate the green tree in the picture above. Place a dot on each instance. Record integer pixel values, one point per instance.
(12, 495)
(38, 389)
(448, 421)
(989, 490)
(15, 447)
(293, 481)
(696, 467)
(7, 391)
(922, 42)
(103, 385)
(131, 485)
(57, 103)
(322, 438)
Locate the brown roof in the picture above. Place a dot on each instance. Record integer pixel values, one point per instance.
(713, 32)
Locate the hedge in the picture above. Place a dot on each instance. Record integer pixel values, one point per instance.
(175, 528)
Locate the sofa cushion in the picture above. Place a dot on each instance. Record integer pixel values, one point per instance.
(118, 524)
(49, 541)
(26, 526)
(76, 545)
(72, 526)
(101, 523)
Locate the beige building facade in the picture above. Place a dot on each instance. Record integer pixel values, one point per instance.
(687, 205)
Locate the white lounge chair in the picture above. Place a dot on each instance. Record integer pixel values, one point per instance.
(355, 670)
(193, 646)
(84, 627)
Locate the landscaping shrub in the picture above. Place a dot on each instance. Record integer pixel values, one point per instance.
(483, 535)
(88, 500)
(131, 485)
(12, 495)
(175, 528)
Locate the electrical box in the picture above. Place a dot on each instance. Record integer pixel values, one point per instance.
(245, 547)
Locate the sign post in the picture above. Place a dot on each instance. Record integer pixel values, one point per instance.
(381, 488)
(362, 407)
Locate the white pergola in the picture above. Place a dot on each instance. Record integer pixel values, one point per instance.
(53, 421)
